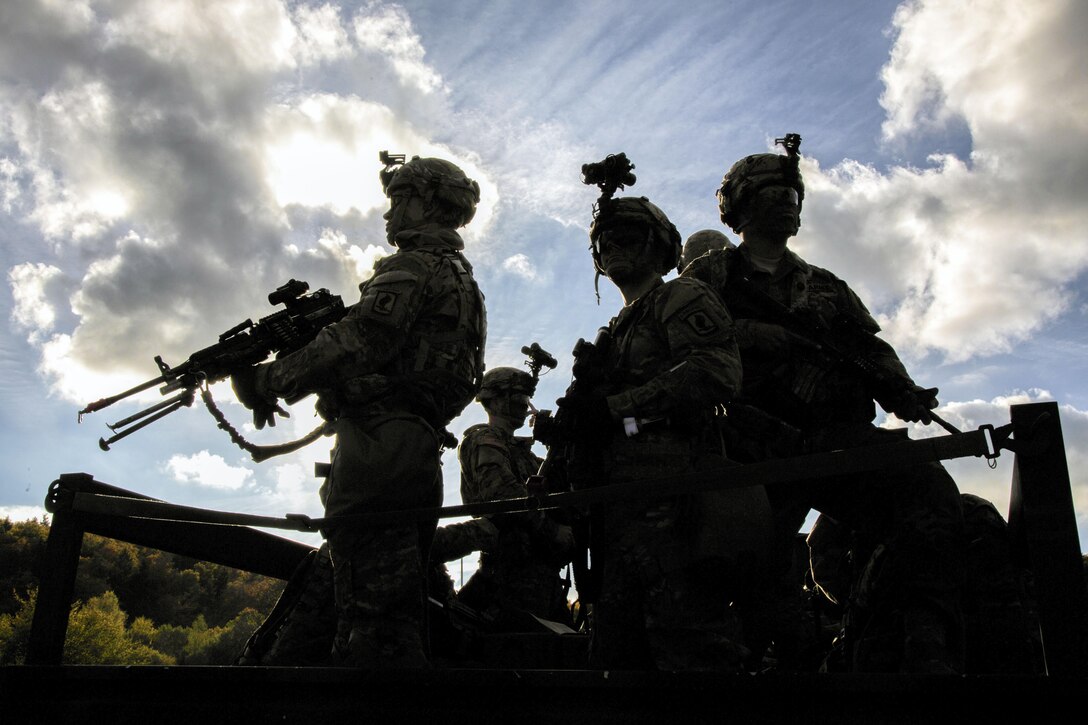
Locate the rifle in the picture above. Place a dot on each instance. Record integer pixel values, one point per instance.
(561, 432)
(570, 463)
(830, 342)
(245, 344)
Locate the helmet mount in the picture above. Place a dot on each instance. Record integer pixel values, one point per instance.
(609, 175)
(746, 177)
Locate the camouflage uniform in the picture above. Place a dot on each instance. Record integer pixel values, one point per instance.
(664, 575)
(914, 512)
(392, 374)
(521, 572)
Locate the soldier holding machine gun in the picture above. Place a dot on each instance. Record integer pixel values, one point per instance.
(812, 360)
(390, 376)
(243, 345)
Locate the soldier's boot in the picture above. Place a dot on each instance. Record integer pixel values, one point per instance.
(928, 645)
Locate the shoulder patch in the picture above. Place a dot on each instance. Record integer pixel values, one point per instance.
(701, 323)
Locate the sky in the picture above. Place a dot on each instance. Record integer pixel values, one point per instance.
(164, 165)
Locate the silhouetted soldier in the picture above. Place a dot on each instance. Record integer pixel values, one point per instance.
(521, 571)
(402, 364)
(914, 512)
(665, 566)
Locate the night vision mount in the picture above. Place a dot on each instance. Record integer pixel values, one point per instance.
(792, 143)
(609, 175)
(538, 358)
(391, 162)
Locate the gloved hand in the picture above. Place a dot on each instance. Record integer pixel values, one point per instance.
(914, 405)
(244, 383)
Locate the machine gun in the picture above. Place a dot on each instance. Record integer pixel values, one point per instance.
(570, 463)
(561, 432)
(243, 345)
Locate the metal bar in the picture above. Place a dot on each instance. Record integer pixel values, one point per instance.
(185, 399)
(236, 546)
(1043, 526)
(146, 412)
(791, 470)
(50, 623)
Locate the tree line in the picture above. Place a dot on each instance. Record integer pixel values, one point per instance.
(132, 605)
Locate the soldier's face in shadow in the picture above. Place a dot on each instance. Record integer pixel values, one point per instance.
(512, 407)
(775, 210)
(406, 211)
(625, 254)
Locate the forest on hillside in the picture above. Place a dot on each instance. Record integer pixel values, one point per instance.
(132, 605)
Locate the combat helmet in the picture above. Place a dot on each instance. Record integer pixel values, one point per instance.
(752, 173)
(435, 180)
(504, 380)
(636, 210)
(702, 242)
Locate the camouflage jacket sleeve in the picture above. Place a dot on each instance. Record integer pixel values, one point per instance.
(486, 471)
(864, 341)
(681, 355)
(369, 336)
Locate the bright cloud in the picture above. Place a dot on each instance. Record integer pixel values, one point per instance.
(9, 187)
(209, 471)
(294, 489)
(30, 284)
(320, 151)
(968, 257)
(321, 37)
(22, 513)
(974, 476)
(521, 266)
(387, 29)
(175, 153)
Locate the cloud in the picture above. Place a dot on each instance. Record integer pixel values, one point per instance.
(294, 490)
(23, 513)
(321, 36)
(9, 186)
(209, 471)
(387, 29)
(179, 172)
(34, 290)
(974, 476)
(967, 256)
(520, 266)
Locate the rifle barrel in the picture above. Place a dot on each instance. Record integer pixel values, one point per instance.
(106, 402)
